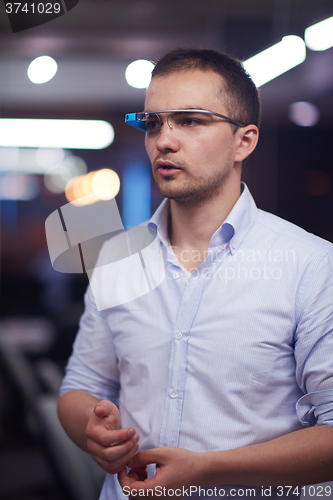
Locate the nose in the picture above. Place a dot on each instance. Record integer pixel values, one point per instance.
(167, 139)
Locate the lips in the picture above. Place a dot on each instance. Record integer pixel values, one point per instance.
(166, 168)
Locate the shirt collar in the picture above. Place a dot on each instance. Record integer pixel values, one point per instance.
(232, 230)
(159, 220)
(240, 219)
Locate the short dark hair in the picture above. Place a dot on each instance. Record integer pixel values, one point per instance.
(241, 98)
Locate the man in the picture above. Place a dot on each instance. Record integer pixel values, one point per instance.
(224, 371)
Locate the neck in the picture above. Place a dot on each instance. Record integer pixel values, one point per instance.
(191, 227)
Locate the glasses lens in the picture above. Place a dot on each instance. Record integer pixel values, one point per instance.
(153, 123)
(188, 119)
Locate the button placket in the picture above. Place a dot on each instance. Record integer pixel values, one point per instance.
(172, 418)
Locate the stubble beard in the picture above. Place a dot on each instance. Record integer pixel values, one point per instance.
(195, 192)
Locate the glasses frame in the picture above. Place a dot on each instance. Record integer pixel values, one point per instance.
(136, 120)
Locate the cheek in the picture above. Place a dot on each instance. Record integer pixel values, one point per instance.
(150, 146)
(205, 151)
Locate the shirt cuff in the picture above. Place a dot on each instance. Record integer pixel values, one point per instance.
(316, 408)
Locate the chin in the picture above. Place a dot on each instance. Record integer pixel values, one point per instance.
(192, 198)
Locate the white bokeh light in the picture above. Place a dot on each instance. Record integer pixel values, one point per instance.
(42, 69)
(320, 35)
(304, 114)
(276, 60)
(66, 134)
(9, 158)
(138, 73)
(49, 158)
(71, 166)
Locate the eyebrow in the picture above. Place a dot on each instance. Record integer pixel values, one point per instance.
(183, 108)
(191, 107)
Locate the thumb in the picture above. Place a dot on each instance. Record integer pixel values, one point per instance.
(105, 408)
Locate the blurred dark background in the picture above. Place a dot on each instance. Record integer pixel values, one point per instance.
(290, 174)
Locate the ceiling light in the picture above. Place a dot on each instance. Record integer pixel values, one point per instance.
(304, 114)
(42, 69)
(138, 73)
(66, 134)
(276, 60)
(320, 36)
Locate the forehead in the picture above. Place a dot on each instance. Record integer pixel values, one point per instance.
(185, 89)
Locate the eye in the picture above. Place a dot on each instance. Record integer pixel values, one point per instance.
(189, 119)
(153, 124)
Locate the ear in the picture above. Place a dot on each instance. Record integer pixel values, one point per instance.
(247, 139)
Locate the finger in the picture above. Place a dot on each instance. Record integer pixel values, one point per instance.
(113, 466)
(103, 408)
(138, 474)
(137, 483)
(127, 478)
(113, 451)
(110, 438)
(123, 478)
(145, 457)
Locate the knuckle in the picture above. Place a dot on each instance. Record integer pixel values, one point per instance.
(104, 441)
(88, 433)
(111, 454)
(130, 445)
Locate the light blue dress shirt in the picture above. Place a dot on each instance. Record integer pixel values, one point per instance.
(238, 354)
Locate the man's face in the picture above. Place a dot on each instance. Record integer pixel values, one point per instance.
(202, 155)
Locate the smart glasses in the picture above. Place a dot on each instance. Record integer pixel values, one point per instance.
(151, 123)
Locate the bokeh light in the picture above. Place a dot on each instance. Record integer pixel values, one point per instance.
(319, 36)
(42, 69)
(103, 184)
(9, 158)
(49, 158)
(71, 166)
(58, 133)
(18, 186)
(304, 114)
(138, 73)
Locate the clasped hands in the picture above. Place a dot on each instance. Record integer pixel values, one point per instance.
(114, 449)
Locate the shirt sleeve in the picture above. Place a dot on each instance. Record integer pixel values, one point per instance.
(314, 346)
(93, 366)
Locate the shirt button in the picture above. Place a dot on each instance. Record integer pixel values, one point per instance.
(176, 276)
(173, 394)
(179, 335)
